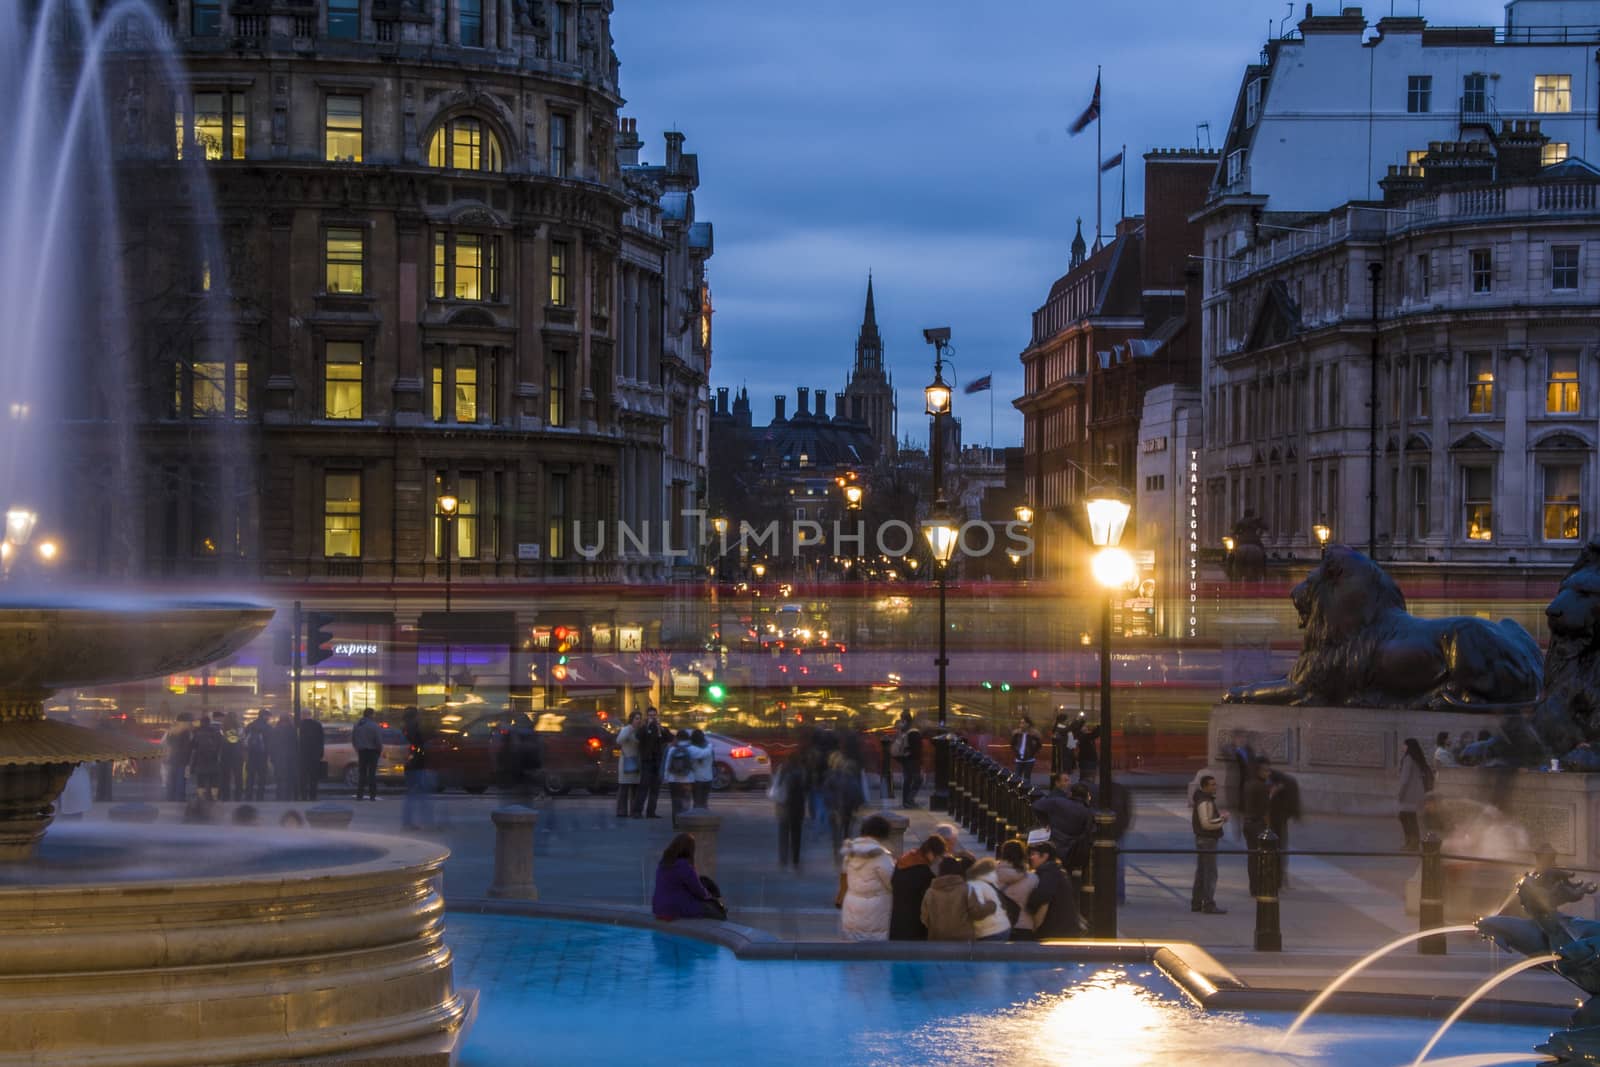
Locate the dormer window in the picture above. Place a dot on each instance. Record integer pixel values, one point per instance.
(465, 144)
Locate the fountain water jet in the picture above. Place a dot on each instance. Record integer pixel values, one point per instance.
(1359, 966)
(1477, 995)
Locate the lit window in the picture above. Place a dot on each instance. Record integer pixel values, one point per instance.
(342, 129)
(213, 124)
(466, 387)
(1480, 383)
(558, 516)
(216, 389)
(345, 254)
(457, 380)
(1552, 93)
(1482, 271)
(341, 389)
(1478, 502)
(1561, 383)
(341, 514)
(466, 266)
(1552, 152)
(1419, 93)
(1561, 517)
(1474, 93)
(1564, 267)
(471, 23)
(558, 274)
(555, 388)
(465, 144)
(559, 126)
(468, 494)
(344, 20)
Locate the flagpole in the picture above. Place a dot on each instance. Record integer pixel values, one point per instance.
(1124, 167)
(1099, 154)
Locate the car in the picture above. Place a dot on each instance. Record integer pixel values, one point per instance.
(571, 752)
(339, 755)
(738, 763)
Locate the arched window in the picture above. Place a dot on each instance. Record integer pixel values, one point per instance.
(465, 144)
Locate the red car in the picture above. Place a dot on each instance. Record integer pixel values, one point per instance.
(472, 755)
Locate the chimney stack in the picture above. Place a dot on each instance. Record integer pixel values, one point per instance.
(722, 400)
(674, 151)
(822, 403)
(628, 142)
(802, 405)
(777, 408)
(838, 405)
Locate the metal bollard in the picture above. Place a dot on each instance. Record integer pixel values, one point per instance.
(997, 793)
(961, 788)
(1268, 866)
(703, 825)
(887, 773)
(1103, 922)
(1430, 901)
(513, 853)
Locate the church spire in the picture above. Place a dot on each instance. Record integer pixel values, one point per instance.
(869, 345)
(1078, 248)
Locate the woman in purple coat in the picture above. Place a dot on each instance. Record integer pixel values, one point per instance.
(680, 891)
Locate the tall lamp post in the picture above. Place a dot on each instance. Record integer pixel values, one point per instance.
(941, 534)
(448, 507)
(1115, 570)
(1024, 515)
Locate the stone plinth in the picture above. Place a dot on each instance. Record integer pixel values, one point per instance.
(898, 824)
(124, 945)
(513, 853)
(1561, 810)
(1347, 760)
(329, 816)
(704, 826)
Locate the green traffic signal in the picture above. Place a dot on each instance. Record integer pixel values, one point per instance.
(715, 692)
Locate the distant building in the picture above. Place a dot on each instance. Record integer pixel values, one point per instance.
(869, 396)
(1116, 325)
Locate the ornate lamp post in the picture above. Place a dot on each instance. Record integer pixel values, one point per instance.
(942, 534)
(1115, 570)
(448, 508)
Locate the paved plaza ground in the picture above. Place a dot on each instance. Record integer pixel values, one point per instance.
(1334, 910)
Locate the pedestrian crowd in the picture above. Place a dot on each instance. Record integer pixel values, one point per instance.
(224, 761)
(650, 755)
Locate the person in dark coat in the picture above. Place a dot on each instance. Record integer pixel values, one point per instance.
(232, 758)
(912, 876)
(1283, 804)
(681, 893)
(789, 795)
(1055, 893)
(257, 746)
(417, 809)
(908, 752)
(653, 739)
(1025, 744)
(205, 758)
(1062, 757)
(1070, 820)
(312, 740)
(1253, 808)
(178, 745)
(283, 747)
(1241, 769)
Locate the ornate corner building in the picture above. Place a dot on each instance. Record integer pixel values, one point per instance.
(441, 271)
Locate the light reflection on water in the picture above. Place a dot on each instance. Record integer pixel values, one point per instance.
(559, 993)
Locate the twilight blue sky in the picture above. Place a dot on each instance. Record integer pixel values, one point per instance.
(925, 140)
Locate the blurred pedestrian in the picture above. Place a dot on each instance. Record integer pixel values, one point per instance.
(704, 768)
(1443, 755)
(1063, 744)
(843, 796)
(257, 745)
(282, 745)
(366, 737)
(1088, 753)
(907, 751)
(312, 742)
(205, 758)
(865, 897)
(176, 751)
(913, 873)
(951, 833)
(681, 892)
(949, 908)
(653, 741)
(1017, 882)
(677, 771)
(1253, 811)
(1241, 768)
(77, 797)
(232, 757)
(1283, 804)
(1416, 782)
(417, 810)
(1025, 744)
(788, 794)
(1207, 822)
(992, 911)
(628, 765)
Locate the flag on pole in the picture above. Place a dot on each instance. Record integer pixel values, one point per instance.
(978, 385)
(1112, 163)
(1090, 113)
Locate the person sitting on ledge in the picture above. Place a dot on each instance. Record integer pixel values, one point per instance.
(949, 908)
(1054, 893)
(912, 875)
(681, 893)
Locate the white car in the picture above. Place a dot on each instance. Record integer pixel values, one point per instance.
(738, 763)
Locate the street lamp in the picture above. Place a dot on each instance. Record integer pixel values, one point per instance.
(1024, 514)
(1322, 533)
(852, 497)
(760, 570)
(1115, 570)
(19, 527)
(448, 507)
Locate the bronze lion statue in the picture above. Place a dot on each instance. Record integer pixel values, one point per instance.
(1569, 711)
(1362, 648)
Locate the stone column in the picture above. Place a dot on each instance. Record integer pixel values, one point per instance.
(513, 853)
(703, 825)
(896, 841)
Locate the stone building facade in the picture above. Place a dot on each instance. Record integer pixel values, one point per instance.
(441, 270)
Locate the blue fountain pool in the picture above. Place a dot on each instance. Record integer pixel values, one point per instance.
(556, 993)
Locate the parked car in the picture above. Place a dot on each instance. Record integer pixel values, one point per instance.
(339, 755)
(569, 753)
(738, 763)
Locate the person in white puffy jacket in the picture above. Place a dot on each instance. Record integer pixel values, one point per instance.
(865, 899)
(700, 752)
(983, 885)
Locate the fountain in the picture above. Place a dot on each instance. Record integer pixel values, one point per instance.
(154, 944)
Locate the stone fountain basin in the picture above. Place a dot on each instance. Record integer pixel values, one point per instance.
(100, 640)
(124, 945)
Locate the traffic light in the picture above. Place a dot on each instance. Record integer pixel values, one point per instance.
(318, 635)
(715, 693)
